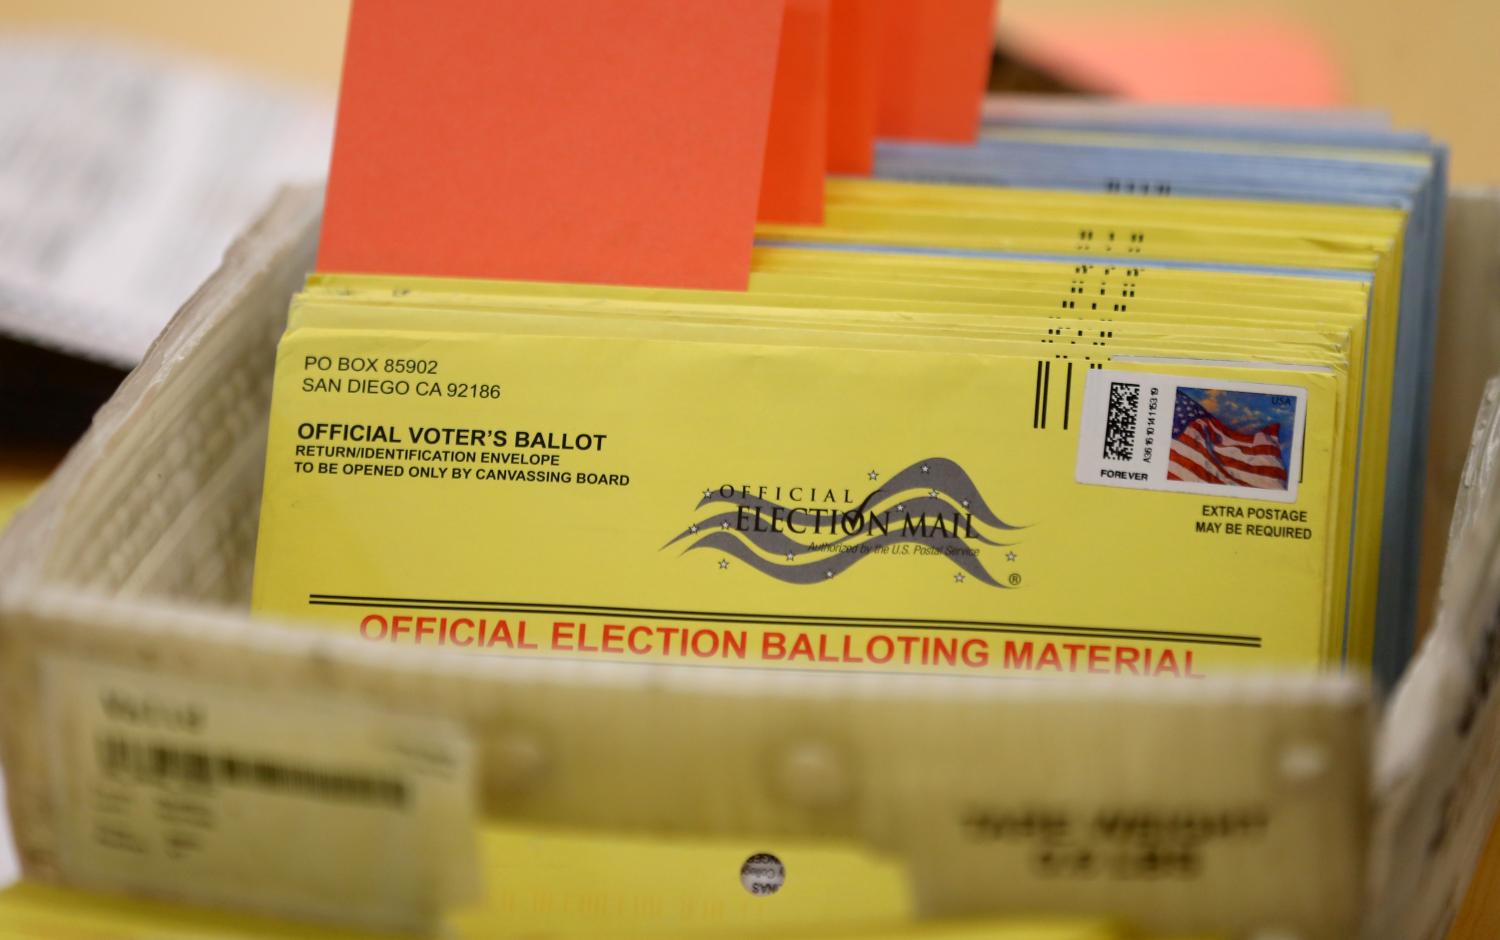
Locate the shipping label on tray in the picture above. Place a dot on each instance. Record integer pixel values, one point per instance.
(288, 804)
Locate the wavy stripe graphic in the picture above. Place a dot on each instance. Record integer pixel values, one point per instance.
(836, 563)
(950, 494)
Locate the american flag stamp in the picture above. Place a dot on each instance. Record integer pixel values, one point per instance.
(1184, 434)
(1231, 438)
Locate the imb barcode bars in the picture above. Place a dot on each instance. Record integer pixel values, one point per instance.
(1041, 401)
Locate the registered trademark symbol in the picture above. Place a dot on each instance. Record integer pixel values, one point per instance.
(1015, 578)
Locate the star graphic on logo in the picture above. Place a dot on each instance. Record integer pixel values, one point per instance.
(707, 493)
(924, 468)
(932, 492)
(791, 556)
(1010, 556)
(964, 503)
(828, 574)
(724, 525)
(693, 527)
(900, 507)
(723, 563)
(958, 578)
(874, 475)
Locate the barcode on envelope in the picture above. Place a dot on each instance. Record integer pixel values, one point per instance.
(1119, 422)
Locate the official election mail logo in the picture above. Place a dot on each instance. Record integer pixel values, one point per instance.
(807, 534)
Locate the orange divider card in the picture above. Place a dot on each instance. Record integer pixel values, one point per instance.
(934, 64)
(605, 141)
(797, 143)
(853, 84)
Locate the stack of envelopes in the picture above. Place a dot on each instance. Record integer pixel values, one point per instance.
(1116, 390)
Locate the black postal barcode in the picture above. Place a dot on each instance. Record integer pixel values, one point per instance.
(1119, 422)
(163, 763)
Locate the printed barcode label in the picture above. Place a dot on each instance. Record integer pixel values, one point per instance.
(241, 798)
(163, 763)
(1119, 425)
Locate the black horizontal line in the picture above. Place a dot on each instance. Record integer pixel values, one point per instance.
(965, 626)
(806, 619)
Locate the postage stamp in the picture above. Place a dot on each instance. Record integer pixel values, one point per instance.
(1233, 438)
(1192, 435)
